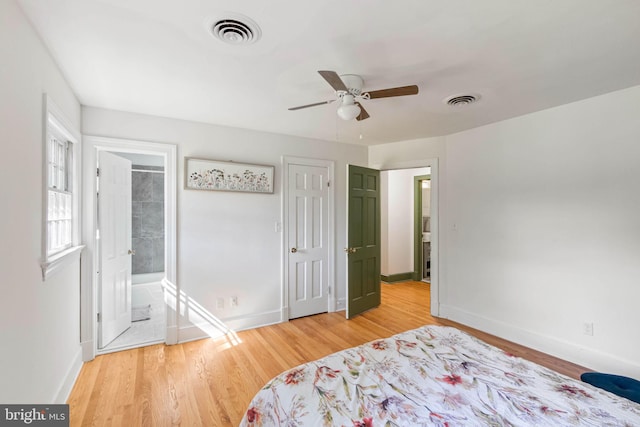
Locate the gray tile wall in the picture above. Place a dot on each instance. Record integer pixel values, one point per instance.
(147, 212)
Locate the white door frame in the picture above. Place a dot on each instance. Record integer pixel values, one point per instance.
(330, 165)
(89, 279)
(435, 231)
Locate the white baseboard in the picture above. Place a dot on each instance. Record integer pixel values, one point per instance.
(234, 324)
(587, 357)
(88, 350)
(190, 333)
(172, 335)
(69, 379)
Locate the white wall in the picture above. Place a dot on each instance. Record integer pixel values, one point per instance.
(227, 243)
(39, 321)
(540, 219)
(397, 220)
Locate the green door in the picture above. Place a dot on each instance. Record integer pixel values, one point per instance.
(363, 265)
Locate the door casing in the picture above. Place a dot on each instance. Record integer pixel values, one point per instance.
(435, 220)
(88, 288)
(432, 163)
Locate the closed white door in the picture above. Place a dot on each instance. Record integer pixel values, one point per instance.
(308, 251)
(114, 222)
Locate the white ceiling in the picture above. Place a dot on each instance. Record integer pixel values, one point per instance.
(157, 57)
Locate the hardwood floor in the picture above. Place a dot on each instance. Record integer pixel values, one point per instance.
(210, 382)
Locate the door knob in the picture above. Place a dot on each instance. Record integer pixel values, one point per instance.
(350, 250)
(131, 252)
(294, 250)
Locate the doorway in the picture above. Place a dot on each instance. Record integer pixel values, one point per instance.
(150, 244)
(432, 164)
(422, 228)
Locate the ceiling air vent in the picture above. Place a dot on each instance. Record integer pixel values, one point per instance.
(236, 30)
(461, 100)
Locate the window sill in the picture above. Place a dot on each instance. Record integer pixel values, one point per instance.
(57, 261)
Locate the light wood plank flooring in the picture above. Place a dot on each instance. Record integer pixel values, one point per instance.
(210, 382)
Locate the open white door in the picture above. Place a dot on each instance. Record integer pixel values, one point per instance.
(114, 222)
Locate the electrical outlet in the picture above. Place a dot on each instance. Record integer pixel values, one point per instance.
(234, 301)
(587, 328)
(220, 303)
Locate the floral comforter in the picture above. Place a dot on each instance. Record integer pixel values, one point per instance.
(432, 376)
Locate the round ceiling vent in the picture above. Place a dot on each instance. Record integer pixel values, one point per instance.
(461, 100)
(236, 30)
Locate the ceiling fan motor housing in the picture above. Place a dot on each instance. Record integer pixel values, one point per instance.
(353, 83)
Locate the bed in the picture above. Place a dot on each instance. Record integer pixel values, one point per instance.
(432, 376)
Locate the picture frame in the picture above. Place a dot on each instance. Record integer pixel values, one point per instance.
(217, 175)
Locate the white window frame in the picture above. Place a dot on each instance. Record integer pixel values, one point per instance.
(56, 125)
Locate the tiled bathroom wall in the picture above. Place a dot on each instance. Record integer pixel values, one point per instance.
(147, 210)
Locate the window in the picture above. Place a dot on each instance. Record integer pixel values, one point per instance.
(59, 193)
(61, 207)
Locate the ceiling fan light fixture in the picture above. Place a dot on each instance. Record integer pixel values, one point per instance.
(348, 110)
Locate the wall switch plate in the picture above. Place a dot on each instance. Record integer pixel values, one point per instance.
(233, 301)
(587, 328)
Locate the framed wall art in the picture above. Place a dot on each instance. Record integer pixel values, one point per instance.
(215, 175)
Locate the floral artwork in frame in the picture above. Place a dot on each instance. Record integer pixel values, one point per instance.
(215, 175)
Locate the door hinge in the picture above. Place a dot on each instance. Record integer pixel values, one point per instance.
(328, 183)
(97, 171)
(98, 317)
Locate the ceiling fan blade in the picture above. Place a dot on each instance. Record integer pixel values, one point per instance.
(363, 113)
(396, 91)
(312, 105)
(334, 80)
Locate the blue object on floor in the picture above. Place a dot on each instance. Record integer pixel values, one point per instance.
(616, 384)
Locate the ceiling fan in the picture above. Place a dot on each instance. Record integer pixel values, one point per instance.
(348, 89)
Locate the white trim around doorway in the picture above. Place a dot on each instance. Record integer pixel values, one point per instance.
(89, 280)
(435, 230)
